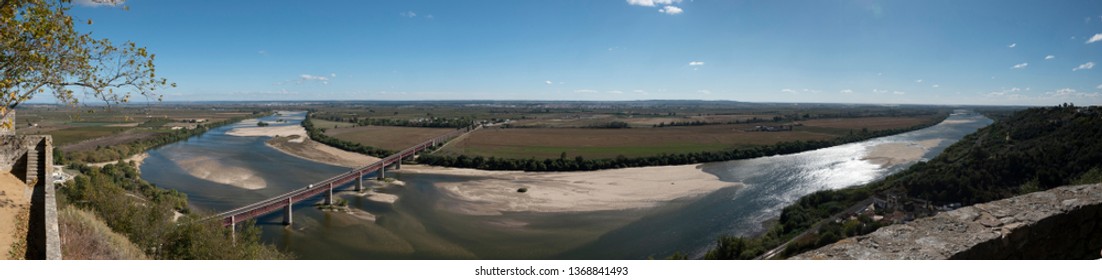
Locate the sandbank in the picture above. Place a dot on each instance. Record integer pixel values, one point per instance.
(273, 130)
(495, 192)
(895, 153)
(211, 169)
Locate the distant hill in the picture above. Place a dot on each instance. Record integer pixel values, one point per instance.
(1031, 150)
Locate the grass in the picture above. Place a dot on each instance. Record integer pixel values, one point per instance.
(85, 237)
(523, 143)
(392, 138)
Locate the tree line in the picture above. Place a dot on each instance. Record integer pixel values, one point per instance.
(144, 214)
(421, 122)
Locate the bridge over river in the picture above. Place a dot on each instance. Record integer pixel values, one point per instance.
(287, 200)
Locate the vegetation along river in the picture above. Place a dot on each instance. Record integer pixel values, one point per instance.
(220, 172)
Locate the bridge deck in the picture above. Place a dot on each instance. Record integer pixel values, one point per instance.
(275, 203)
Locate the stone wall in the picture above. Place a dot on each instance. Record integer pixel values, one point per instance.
(1061, 223)
(15, 152)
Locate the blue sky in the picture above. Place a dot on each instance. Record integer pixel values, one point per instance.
(859, 51)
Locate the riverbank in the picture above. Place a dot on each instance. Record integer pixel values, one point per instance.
(495, 192)
(137, 159)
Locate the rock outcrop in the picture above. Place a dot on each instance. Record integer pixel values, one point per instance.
(1061, 223)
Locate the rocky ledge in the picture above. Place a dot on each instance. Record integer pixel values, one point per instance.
(1061, 223)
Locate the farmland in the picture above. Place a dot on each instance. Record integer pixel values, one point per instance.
(100, 133)
(541, 143)
(606, 130)
(393, 138)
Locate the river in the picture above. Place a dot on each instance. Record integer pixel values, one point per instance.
(414, 227)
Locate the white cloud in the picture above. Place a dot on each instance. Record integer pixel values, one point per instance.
(262, 52)
(312, 78)
(652, 3)
(788, 90)
(879, 91)
(1095, 38)
(918, 81)
(1020, 65)
(1003, 92)
(846, 91)
(408, 14)
(97, 3)
(696, 63)
(334, 75)
(1050, 57)
(1084, 66)
(586, 91)
(1068, 92)
(1064, 92)
(898, 92)
(670, 10)
(615, 92)
(811, 90)
(429, 17)
(1012, 45)
(704, 91)
(1099, 86)
(548, 82)
(936, 86)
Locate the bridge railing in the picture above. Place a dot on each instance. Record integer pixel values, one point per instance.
(382, 163)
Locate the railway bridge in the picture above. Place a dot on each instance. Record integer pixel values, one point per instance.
(286, 201)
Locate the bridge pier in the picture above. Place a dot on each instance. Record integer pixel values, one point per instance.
(233, 230)
(398, 164)
(329, 198)
(382, 172)
(360, 182)
(287, 212)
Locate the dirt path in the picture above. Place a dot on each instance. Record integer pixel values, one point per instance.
(13, 203)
